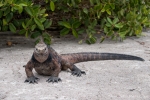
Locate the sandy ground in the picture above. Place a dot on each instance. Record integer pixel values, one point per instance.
(104, 80)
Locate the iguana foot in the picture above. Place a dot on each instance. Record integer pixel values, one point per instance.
(53, 79)
(32, 79)
(77, 72)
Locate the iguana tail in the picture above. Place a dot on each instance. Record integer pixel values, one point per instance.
(93, 56)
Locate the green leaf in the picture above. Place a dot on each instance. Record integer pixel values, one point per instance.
(67, 24)
(80, 42)
(103, 10)
(108, 12)
(109, 20)
(139, 16)
(85, 10)
(64, 23)
(98, 14)
(122, 12)
(16, 23)
(45, 35)
(4, 22)
(106, 30)
(98, 2)
(76, 24)
(94, 23)
(131, 32)
(115, 20)
(42, 11)
(19, 8)
(5, 28)
(102, 39)
(112, 6)
(107, 7)
(22, 4)
(122, 34)
(9, 17)
(92, 2)
(108, 24)
(12, 27)
(147, 23)
(119, 25)
(144, 20)
(93, 39)
(1, 14)
(42, 20)
(74, 32)
(73, 3)
(88, 41)
(23, 25)
(110, 33)
(23, 31)
(45, 15)
(81, 31)
(39, 24)
(29, 22)
(64, 31)
(33, 27)
(60, 23)
(52, 5)
(26, 34)
(35, 34)
(1, 4)
(47, 38)
(102, 23)
(138, 30)
(47, 23)
(7, 11)
(29, 10)
(37, 41)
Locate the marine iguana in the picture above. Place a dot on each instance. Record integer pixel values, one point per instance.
(46, 61)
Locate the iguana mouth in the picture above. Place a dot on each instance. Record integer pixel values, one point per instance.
(41, 54)
(41, 57)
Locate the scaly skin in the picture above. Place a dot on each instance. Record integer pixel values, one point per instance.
(46, 61)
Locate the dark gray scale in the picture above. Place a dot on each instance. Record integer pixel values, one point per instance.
(45, 68)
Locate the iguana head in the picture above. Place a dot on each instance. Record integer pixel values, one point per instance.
(41, 52)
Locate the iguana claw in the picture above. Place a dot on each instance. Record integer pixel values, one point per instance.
(78, 73)
(53, 79)
(32, 79)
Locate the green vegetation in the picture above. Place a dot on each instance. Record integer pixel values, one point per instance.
(111, 18)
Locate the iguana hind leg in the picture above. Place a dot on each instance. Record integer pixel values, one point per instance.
(76, 71)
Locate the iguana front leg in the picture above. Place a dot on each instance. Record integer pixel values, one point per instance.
(30, 77)
(57, 68)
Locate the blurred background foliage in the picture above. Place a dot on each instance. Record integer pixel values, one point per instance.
(114, 19)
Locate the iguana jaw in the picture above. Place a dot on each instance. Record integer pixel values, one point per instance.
(41, 57)
(41, 52)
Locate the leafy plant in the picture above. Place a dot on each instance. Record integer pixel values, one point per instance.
(23, 17)
(110, 18)
(117, 19)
